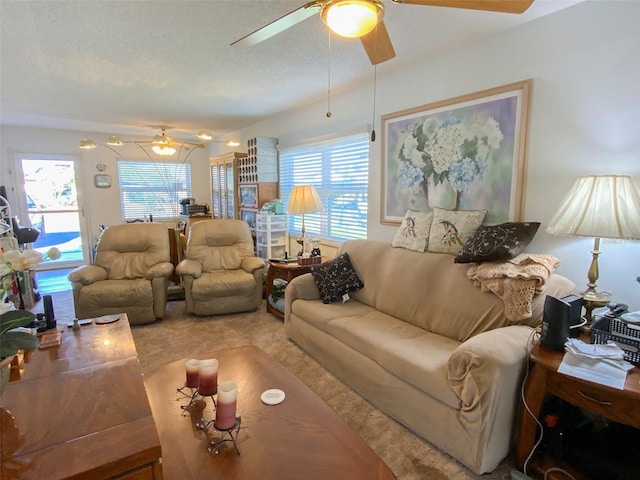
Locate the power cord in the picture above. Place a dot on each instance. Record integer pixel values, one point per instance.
(531, 341)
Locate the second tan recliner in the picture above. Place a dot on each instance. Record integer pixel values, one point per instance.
(221, 273)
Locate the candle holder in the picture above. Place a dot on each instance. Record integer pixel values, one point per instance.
(192, 380)
(214, 445)
(191, 396)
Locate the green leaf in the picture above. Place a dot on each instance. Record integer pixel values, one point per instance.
(11, 342)
(420, 136)
(14, 319)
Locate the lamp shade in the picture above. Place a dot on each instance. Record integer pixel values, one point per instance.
(602, 206)
(304, 199)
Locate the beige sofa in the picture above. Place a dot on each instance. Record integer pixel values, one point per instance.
(425, 345)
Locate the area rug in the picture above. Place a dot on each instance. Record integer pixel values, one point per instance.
(179, 336)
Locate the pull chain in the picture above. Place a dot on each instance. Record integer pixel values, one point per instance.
(329, 80)
(373, 120)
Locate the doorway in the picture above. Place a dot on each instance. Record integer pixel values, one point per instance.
(53, 206)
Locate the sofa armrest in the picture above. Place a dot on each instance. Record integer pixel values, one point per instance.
(485, 372)
(302, 287)
(162, 269)
(251, 264)
(189, 267)
(88, 274)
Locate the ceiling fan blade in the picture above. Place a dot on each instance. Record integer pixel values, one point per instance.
(378, 45)
(280, 25)
(505, 6)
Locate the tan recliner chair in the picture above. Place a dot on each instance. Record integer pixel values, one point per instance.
(221, 273)
(130, 274)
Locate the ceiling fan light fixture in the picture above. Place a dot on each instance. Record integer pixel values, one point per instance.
(163, 150)
(352, 18)
(87, 144)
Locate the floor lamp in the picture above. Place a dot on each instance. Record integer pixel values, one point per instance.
(599, 206)
(303, 199)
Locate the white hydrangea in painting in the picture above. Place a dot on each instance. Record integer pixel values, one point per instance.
(455, 150)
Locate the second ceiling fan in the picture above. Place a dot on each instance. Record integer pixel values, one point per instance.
(363, 19)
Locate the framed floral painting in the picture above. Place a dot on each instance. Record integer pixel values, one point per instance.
(464, 153)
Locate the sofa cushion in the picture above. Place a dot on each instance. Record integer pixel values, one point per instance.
(451, 228)
(222, 283)
(413, 233)
(118, 293)
(497, 242)
(404, 350)
(336, 278)
(432, 292)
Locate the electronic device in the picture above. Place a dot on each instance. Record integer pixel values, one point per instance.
(575, 313)
(616, 310)
(556, 322)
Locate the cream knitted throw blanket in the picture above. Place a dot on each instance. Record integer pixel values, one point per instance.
(515, 281)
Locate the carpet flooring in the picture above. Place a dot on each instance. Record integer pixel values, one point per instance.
(179, 336)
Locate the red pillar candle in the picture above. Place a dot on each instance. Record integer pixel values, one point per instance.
(208, 372)
(226, 407)
(193, 376)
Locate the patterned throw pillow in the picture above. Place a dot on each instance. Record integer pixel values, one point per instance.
(497, 242)
(451, 229)
(336, 278)
(413, 233)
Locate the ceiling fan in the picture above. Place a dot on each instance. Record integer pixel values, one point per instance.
(363, 19)
(162, 144)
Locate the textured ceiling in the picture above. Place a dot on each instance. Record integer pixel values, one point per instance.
(130, 66)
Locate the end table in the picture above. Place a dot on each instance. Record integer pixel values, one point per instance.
(622, 406)
(287, 271)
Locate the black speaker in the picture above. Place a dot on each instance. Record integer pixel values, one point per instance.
(575, 314)
(556, 321)
(48, 311)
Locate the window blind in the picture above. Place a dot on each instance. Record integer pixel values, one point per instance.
(339, 171)
(152, 188)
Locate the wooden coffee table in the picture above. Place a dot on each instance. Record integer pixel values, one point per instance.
(80, 410)
(301, 438)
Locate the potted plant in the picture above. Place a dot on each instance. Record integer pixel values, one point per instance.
(11, 263)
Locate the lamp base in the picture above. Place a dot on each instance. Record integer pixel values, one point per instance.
(591, 300)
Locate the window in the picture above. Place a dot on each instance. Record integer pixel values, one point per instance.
(339, 170)
(150, 188)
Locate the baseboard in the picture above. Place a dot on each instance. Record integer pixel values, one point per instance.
(517, 475)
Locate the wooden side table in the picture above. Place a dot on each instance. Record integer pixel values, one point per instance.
(622, 406)
(287, 271)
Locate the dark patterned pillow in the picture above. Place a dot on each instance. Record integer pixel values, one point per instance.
(336, 278)
(497, 242)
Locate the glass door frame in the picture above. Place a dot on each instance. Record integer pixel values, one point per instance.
(23, 211)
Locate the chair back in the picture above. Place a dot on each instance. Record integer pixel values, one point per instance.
(220, 244)
(129, 250)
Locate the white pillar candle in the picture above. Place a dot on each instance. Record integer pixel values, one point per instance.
(192, 366)
(208, 382)
(226, 407)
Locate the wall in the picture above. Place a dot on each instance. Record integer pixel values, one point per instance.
(584, 119)
(585, 111)
(102, 205)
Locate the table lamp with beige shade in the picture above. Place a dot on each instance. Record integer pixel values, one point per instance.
(303, 199)
(599, 206)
